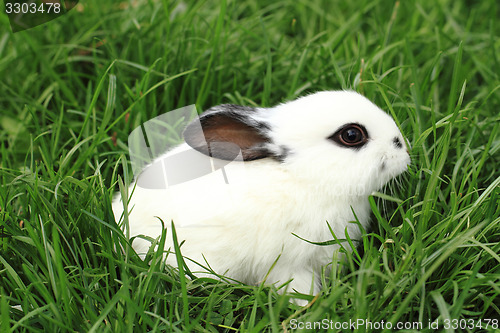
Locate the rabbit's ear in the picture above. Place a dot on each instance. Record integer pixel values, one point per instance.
(225, 130)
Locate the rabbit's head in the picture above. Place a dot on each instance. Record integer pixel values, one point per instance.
(337, 141)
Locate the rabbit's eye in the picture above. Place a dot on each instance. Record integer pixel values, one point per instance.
(350, 135)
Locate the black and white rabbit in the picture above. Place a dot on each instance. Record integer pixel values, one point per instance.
(307, 163)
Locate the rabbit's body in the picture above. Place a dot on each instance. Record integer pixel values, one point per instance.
(244, 242)
(300, 176)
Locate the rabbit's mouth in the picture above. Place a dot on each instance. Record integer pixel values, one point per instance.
(391, 167)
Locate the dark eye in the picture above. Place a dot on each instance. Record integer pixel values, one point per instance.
(350, 135)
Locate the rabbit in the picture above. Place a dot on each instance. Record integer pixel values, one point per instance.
(304, 166)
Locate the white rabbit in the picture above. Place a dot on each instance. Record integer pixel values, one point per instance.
(307, 163)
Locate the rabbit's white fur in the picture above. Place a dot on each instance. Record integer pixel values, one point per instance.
(295, 180)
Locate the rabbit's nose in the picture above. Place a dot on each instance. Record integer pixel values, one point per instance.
(397, 142)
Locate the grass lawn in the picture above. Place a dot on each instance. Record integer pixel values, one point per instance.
(74, 88)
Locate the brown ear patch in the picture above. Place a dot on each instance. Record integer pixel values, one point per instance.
(222, 135)
(231, 130)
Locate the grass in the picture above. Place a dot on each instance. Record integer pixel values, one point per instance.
(74, 88)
